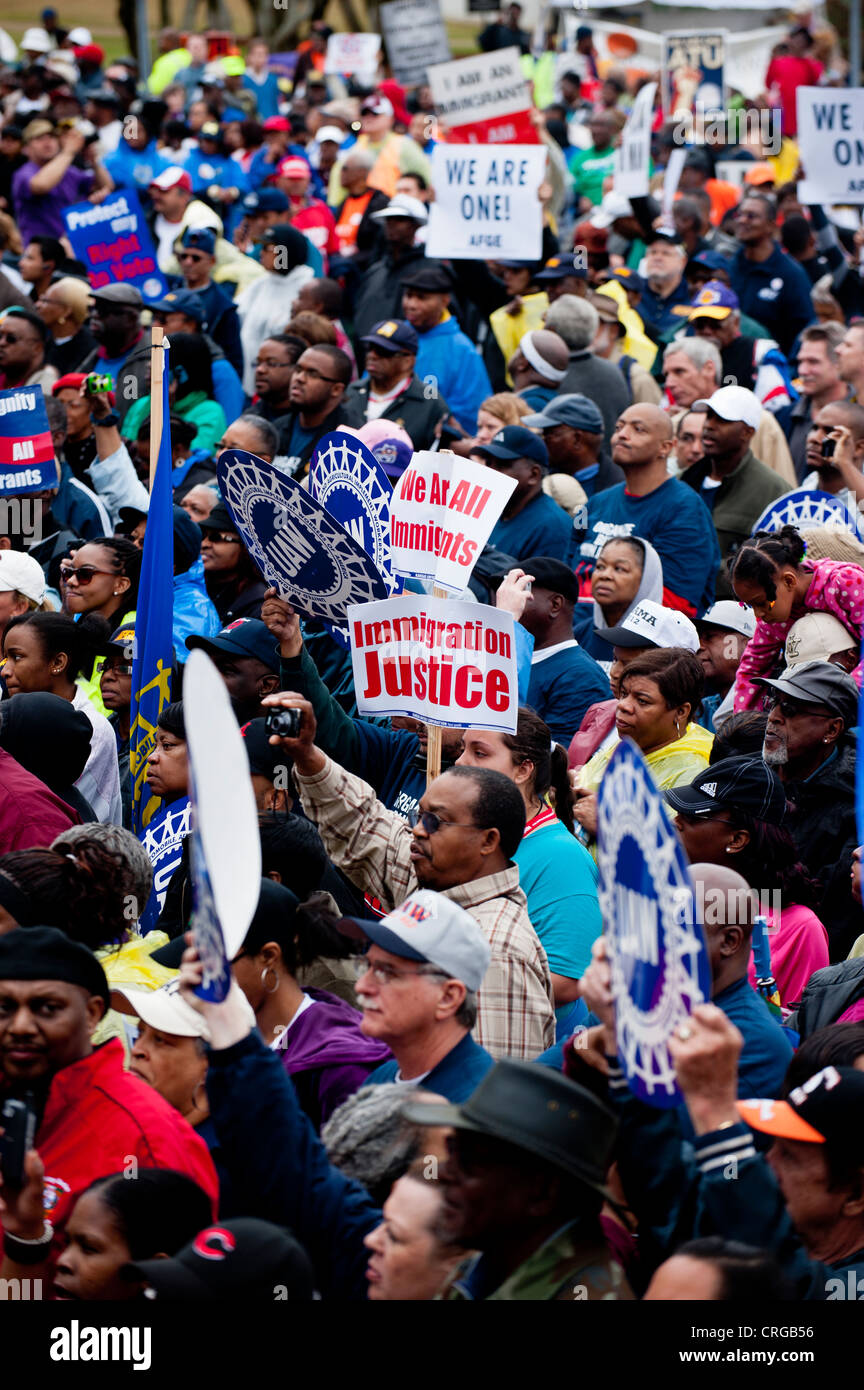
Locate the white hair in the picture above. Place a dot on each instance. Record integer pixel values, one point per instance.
(574, 320)
(700, 351)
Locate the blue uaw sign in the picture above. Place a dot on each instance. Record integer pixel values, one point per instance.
(303, 552)
(809, 509)
(351, 485)
(660, 968)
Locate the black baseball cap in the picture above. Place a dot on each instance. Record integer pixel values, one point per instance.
(393, 335)
(243, 637)
(431, 277)
(219, 519)
(559, 268)
(827, 1109)
(514, 442)
(553, 575)
(746, 783)
(241, 1258)
(818, 683)
(264, 757)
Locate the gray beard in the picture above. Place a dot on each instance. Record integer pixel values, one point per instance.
(777, 758)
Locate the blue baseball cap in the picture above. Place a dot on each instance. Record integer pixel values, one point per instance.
(714, 301)
(711, 260)
(244, 637)
(571, 409)
(394, 456)
(266, 200)
(182, 302)
(514, 442)
(559, 268)
(630, 279)
(393, 335)
(201, 239)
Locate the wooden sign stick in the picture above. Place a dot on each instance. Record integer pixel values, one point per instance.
(433, 747)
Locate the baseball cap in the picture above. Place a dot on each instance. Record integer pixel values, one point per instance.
(182, 302)
(241, 1258)
(714, 301)
(33, 129)
(733, 403)
(233, 65)
(122, 640)
(572, 409)
(664, 234)
(243, 637)
(826, 1109)
(393, 335)
(558, 268)
(607, 308)
(200, 238)
(264, 757)
(277, 123)
(429, 927)
(710, 260)
(728, 613)
(815, 637)
(209, 131)
(163, 1009)
(36, 41)
(433, 277)
(818, 683)
(219, 519)
(697, 159)
(613, 206)
(630, 279)
(293, 167)
(332, 133)
(89, 53)
(650, 624)
(21, 572)
(515, 442)
(120, 294)
(746, 783)
(266, 200)
(172, 177)
(403, 205)
(103, 96)
(394, 456)
(553, 575)
(78, 36)
(759, 174)
(376, 105)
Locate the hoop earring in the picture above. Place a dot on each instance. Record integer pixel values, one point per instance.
(268, 970)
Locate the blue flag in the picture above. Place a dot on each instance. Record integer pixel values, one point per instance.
(154, 648)
(859, 773)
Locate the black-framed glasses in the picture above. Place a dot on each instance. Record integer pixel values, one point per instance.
(313, 374)
(432, 823)
(790, 708)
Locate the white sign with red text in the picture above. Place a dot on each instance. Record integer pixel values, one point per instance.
(442, 513)
(484, 99)
(353, 54)
(439, 660)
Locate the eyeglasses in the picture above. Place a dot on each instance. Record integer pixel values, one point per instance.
(273, 364)
(313, 374)
(118, 668)
(189, 256)
(9, 338)
(693, 818)
(222, 536)
(792, 708)
(432, 823)
(387, 974)
(82, 575)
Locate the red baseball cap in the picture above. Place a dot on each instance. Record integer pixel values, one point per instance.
(172, 177)
(277, 123)
(293, 167)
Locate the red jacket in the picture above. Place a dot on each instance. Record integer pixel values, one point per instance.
(30, 814)
(98, 1119)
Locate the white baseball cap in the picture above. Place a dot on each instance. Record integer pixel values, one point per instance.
(36, 41)
(21, 572)
(649, 624)
(729, 614)
(79, 37)
(733, 403)
(429, 927)
(613, 206)
(165, 1010)
(816, 637)
(403, 205)
(330, 132)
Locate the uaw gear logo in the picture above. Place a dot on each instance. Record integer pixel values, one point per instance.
(351, 485)
(808, 510)
(300, 549)
(659, 961)
(206, 929)
(163, 840)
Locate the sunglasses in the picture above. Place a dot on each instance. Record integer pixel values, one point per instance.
(791, 709)
(82, 575)
(432, 823)
(189, 256)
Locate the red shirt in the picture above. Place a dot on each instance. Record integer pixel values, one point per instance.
(787, 74)
(317, 222)
(31, 815)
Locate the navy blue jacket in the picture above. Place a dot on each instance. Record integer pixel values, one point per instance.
(775, 292)
(562, 687)
(455, 1077)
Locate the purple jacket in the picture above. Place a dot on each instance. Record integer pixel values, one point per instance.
(327, 1056)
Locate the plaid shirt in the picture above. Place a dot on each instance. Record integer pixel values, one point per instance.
(371, 846)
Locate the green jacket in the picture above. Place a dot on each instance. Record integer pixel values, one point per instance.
(740, 499)
(574, 1265)
(208, 416)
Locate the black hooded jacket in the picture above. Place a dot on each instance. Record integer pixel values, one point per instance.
(51, 739)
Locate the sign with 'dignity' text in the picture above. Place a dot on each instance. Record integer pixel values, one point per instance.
(439, 660)
(484, 99)
(353, 54)
(26, 447)
(659, 961)
(416, 38)
(114, 242)
(631, 172)
(441, 516)
(486, 204)
(831, 144)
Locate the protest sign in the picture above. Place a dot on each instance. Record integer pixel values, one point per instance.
(163, 838)
(484, 99)
(114, 243)
(808, 509)
(440, 660)
(672, 178)
(350, 483)
(659, 961)
(694, 71)
(296, 544)
(353, 55)
(415, 36)
(225, 856)
(486, 204)
(441, 516)
(831, 144)
(631, 171)
(26, 447)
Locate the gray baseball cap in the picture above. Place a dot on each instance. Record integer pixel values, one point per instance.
(818, 683)
(573, 409)
(429, 927)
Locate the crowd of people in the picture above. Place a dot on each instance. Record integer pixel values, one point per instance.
(413, 1089)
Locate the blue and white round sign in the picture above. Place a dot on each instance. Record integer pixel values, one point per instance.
(299, 548)
(660, 967)
(808, 510)
(350, 483)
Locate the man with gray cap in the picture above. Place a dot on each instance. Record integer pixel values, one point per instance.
(124, 348)
(572, 428)
(424, 1011)
(809, 741)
